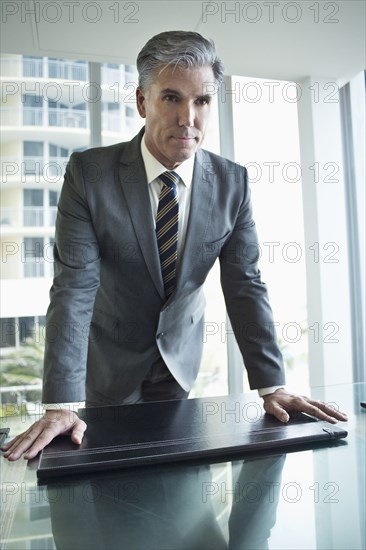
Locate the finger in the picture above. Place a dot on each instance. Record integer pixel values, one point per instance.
(77, 433)
(7, 445)
(16, 440)
(40, 443)
(329, 410)
(271, 407)
(49, 433)
(28, 438)
(317, 409)
(22, 442)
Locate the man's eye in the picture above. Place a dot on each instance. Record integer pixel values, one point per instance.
(170, 97)
(202, 101)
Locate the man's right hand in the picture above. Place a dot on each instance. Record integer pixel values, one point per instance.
(53, 423)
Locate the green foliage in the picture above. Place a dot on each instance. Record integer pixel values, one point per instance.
(23, 366)
(13, 410)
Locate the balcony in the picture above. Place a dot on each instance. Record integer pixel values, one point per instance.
(30, 169)
(29, 216)
(45, 69)
(39, 217)
(34, 267)
(70, 118)
(50, 169)
(59, 69)
(65, 70)
(34, 116)
(66, 118)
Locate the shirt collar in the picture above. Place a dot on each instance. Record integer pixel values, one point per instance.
(154, 168)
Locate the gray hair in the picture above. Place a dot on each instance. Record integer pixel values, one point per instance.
(183, 49)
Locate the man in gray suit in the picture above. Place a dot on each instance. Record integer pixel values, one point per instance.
(146, 310)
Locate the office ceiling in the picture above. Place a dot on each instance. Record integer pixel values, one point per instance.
(279, 40)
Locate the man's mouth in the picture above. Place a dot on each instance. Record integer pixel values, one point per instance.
(185, 138)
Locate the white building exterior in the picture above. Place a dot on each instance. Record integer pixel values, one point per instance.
(45, 106)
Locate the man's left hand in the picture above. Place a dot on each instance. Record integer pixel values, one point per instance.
(281, 402)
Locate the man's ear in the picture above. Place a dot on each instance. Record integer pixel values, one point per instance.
(140, 102)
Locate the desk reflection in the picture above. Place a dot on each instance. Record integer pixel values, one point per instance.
(226, 506)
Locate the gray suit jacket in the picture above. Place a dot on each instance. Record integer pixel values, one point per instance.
(108, 319)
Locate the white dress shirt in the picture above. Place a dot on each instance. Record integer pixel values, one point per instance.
(153, 169)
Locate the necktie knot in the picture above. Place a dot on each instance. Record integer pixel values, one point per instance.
(170, 179)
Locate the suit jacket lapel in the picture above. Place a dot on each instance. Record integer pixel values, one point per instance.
(134, 185)
(199, 216)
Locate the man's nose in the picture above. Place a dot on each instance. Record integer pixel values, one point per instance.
(186, 115)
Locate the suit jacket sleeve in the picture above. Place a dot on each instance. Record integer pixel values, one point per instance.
(247, 299)
(72, 295)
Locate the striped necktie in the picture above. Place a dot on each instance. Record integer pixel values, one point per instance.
(167, 229)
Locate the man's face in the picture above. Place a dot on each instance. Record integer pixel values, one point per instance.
(176, 106)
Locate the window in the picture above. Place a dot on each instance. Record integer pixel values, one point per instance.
(79, 70)
(120, 119)
(32, 110)
(15, 331)
(52, 198)
(352, 103)
(32, 100)
(7, 333)
(69, 70)
(33, 207)
(111, 106)
(32, 66)
(26, 328)
(131, 76)
(56, 115)
(38, 201)
(56, 151)
(33, 157)
(130, 111)
(33, 148)
(80, 107)
(53, 67)
(52, 150)
(267, 143)
(33, 257)
(30, 202)
(52, 203)
(213, 374)
(60, 114)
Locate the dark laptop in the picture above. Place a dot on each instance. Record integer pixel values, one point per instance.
(169, 431)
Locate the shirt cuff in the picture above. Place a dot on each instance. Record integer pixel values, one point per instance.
(267, 391)
(73, 407)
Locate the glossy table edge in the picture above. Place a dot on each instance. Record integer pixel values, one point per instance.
(21, 474)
